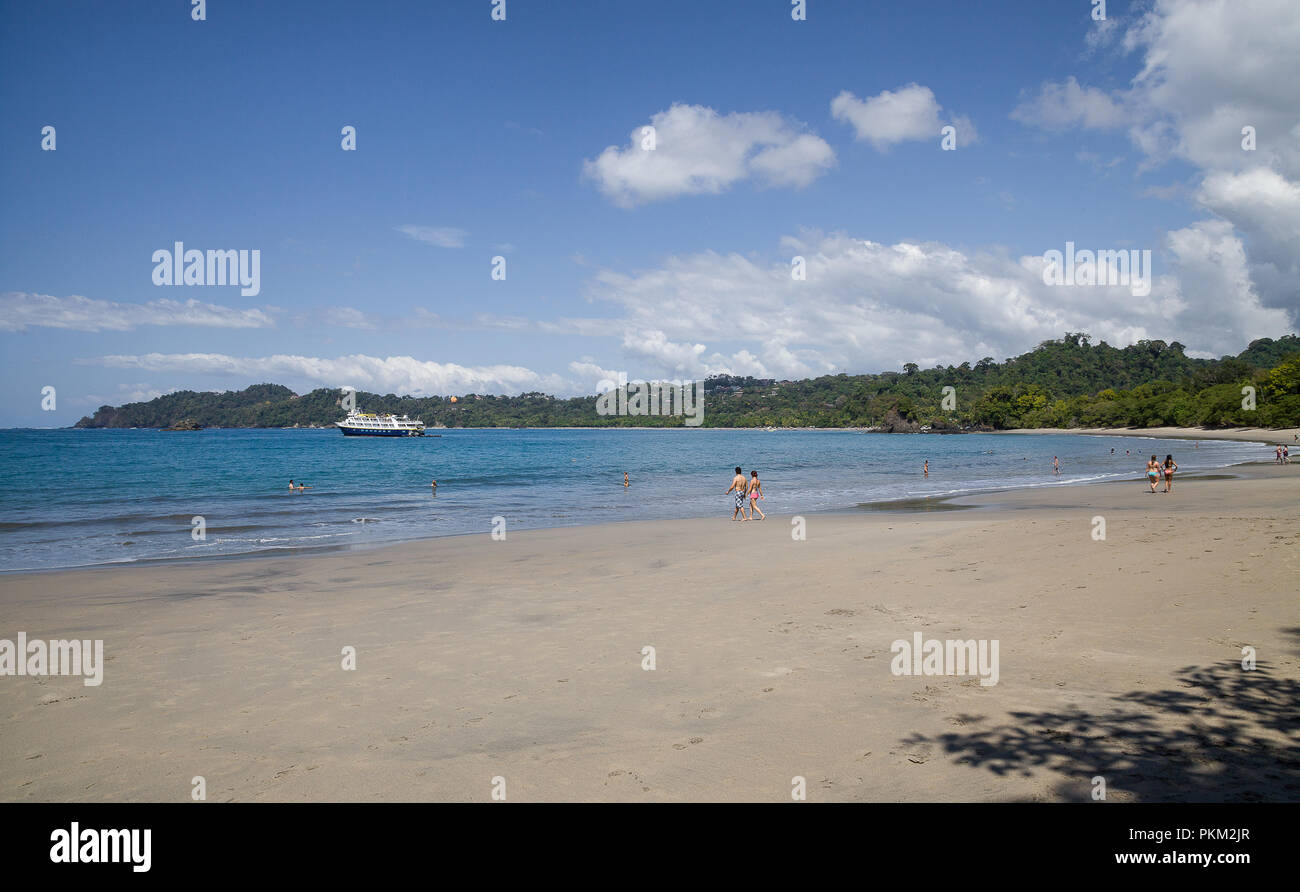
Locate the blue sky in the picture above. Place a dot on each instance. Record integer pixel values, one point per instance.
(775, 138)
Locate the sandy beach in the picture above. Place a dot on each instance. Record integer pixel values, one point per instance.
(523, 659)
(1289, 436)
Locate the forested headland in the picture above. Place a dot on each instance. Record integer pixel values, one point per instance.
(1069, 382)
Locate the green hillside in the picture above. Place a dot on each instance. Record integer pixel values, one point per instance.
(1069, 382)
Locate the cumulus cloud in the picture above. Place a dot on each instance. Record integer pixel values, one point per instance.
(439, 236)
(591, 374)
(21, 310)
(700, 152)
(1212, 67)
(1209, 70)
(395, 374)
(866, 306)
(1215, 287)
(1265, 207)
(892, 117)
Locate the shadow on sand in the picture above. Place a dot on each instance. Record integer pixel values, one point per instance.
(1221, 734)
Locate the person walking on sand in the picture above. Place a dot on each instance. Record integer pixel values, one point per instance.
(755, 493)
(738, 487)
(1170, 467)
(1153, 472)
(1286, 455)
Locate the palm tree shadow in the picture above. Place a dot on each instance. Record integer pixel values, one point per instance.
(1224, 734)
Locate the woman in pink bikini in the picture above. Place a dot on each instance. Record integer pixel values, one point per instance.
(755, 493)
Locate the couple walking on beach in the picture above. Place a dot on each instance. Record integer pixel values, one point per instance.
(747, 491)
(1155, 471)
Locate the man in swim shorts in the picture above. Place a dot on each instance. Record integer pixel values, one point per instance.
(738, 485)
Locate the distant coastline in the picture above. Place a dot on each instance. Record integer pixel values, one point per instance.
(1239, 434)
(1065, 384)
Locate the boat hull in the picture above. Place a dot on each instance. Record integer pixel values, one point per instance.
(357, 432)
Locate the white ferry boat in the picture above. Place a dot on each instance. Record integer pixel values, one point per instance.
(365, 424)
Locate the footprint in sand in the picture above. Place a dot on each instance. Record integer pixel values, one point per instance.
(930, 691)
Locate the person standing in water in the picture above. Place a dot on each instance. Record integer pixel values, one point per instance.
(755, 493)
(1056, 466)
(1153, 472)
(738, 487)
(1170, 467)
(927, 467)
(625, 480)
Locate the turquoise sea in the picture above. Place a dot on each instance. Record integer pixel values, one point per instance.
(86, 497)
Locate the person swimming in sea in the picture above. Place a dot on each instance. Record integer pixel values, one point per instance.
(755, 493)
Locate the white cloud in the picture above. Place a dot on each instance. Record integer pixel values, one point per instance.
(699, 152)
(396, 374)
(867, 306)
(1210, 68)
(20, 310)
(1265, 207)
(1215, 286)
(592, 375)
(1101, 34)
(348, 317)
(1064, 105)
(439, 236)
(889, 118)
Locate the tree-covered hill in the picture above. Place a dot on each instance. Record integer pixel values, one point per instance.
(1069, 382)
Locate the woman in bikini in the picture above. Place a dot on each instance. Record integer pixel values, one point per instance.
(1170, 467)
(1153, 473)
(755, 493)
